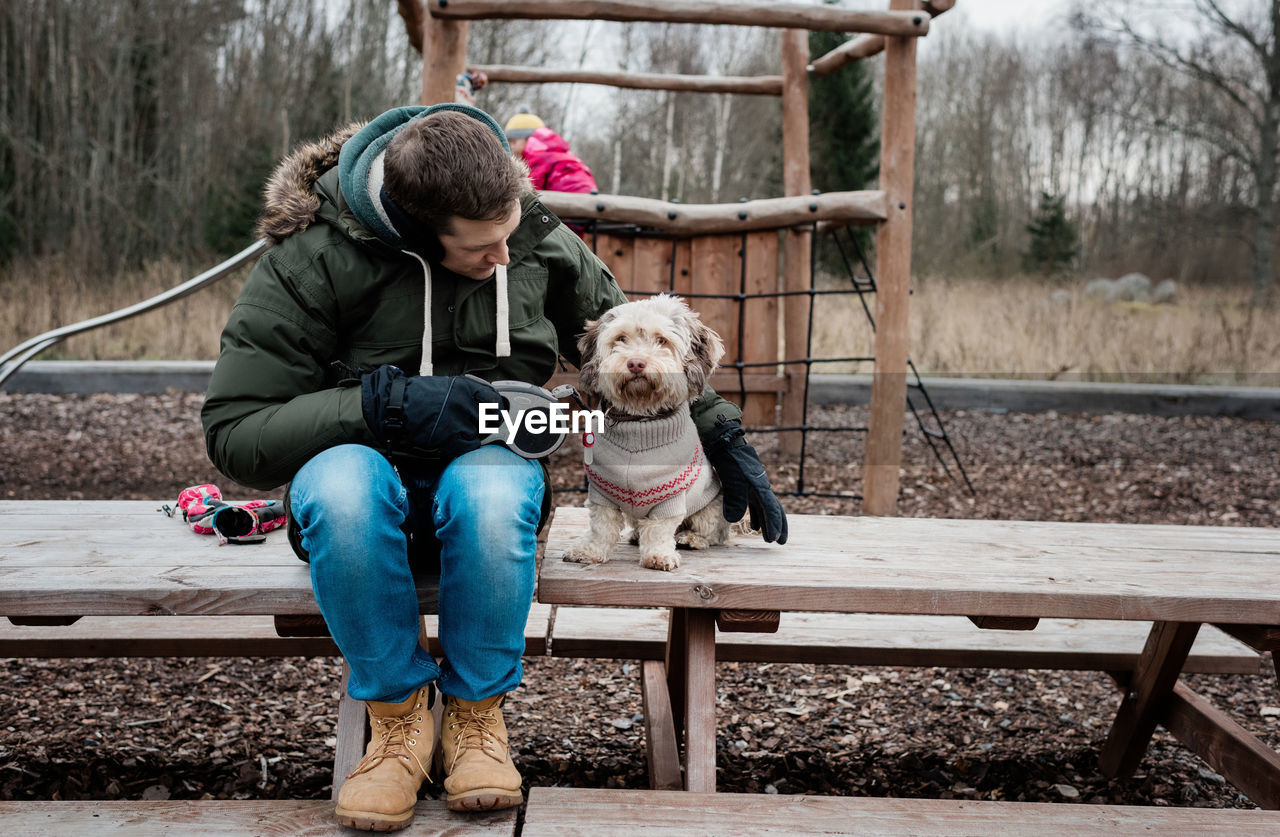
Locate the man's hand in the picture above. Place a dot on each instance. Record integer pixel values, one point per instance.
(744, 481)
(425, 416)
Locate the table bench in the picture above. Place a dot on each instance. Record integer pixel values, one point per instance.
(569, 812)
(232, 818)
(995, 573)
(574, 812)
(877, 639)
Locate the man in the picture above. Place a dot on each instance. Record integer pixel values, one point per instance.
(414, 242)
(552, 166)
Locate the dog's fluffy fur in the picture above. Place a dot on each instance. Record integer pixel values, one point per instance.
(645, 360)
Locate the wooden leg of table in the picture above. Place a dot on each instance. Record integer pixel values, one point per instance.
(1147, 696)
(1213, 735)
(1229, 748)
(659, 732)
(352, 731)
(700, 702)
(676, 654)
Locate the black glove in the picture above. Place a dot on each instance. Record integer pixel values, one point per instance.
(424, 416)
(743, 480)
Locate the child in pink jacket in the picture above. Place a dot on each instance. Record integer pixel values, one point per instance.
(553, 167)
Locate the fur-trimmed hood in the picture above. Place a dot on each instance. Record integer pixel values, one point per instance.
(289, 200)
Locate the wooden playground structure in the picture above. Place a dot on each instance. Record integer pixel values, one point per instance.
(725, 256)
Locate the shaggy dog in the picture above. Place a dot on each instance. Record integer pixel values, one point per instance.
(646, 361)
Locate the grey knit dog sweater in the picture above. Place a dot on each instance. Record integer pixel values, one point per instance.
(651, 468)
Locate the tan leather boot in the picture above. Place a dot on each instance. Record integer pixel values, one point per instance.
(380, 793)
(479, 773)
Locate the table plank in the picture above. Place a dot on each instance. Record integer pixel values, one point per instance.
(948, 567)
(201, 636)
(124, 558)
(897, 640)
(564, 812)
(180, 818)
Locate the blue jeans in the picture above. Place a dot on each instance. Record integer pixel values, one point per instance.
(355, 510)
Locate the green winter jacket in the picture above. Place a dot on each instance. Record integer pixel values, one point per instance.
(331, 299)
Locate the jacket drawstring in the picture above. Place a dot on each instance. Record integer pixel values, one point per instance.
(502, 332)
(502, 345)
(425, 367)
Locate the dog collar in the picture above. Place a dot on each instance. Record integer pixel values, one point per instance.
(612, 414)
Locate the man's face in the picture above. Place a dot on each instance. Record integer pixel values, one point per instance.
(474, 248)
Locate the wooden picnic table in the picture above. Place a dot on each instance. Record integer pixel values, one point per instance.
(999, 573)
(145, 584)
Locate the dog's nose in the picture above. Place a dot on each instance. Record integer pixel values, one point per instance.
(635, 366)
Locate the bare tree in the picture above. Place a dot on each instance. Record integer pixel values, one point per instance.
(1230, 55)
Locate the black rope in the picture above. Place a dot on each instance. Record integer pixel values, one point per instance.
(940, 433)
(857, 285)
(808, 355)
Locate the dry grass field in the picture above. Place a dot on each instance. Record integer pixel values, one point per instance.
(1013, 328)
(39, 296)
(959, 327)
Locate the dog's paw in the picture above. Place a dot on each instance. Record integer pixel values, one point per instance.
(666, 561)
(693, 540)
(586, 554)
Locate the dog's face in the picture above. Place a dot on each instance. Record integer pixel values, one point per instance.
(647, 356)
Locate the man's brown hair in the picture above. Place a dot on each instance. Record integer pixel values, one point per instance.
(446, 164)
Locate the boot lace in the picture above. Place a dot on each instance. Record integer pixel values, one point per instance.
(397, 741)
(476, 729)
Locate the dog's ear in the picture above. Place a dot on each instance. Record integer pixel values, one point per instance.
(589, 367)
(705, 351)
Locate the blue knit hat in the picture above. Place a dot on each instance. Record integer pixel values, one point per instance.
(360, 163)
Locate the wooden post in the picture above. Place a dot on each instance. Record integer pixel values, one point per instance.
(893, 276)
(677, 664)
(1147, 696)
(1227, 747)
(352, 733)
(778, 15)
(745, 85)
(863, 208)
(865, 46)
(700, 701)
(795, 245)
(659, 728)
(444, 55)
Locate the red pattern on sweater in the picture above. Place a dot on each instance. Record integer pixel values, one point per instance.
(656, 494)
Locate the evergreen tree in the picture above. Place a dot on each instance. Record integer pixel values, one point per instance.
(844, 132)
(1054, 240)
